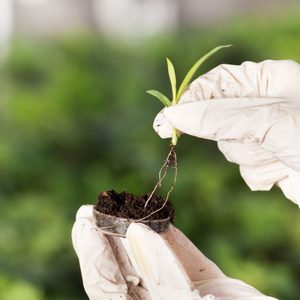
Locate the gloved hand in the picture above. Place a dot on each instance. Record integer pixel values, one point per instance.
(145, 265)
(253, 112)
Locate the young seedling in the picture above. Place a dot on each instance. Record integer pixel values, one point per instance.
(171, 160)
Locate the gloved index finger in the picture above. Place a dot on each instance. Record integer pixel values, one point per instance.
(227, 118)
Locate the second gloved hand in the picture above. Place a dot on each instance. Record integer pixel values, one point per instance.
(253, 112)
(149, 266)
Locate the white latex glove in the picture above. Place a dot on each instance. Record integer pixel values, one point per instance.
(145, 265)
(254, 116)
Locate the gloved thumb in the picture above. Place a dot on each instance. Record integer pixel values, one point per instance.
(234, 119)
(162, 272)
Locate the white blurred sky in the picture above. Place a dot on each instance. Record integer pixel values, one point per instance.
(6, 23)
(129, 19)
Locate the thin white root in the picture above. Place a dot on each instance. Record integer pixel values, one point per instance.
(163, 169)
(158, 184)
(166, 164)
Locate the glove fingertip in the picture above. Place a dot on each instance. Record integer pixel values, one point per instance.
(85, 211)
(137, 228)
(162, 127)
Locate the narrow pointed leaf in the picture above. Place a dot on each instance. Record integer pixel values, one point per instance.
(195, 67)
(161, 97)
(172, 76)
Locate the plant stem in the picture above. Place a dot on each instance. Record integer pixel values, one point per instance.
(175, 136)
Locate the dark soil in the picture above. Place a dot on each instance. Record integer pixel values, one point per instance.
(126, 205)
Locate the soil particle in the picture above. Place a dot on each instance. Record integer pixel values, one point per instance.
(127, 205)
(172, 157)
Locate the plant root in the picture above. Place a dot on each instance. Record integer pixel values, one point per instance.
(170, 162)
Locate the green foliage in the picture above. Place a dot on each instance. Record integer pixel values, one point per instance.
(160, 96)
(74, 122)
(172, 76)
(188, 77)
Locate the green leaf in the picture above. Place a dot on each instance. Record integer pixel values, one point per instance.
(194, 68)
(172, 76)
(161, 97)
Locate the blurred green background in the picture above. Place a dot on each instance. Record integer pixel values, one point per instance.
(75, 120)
